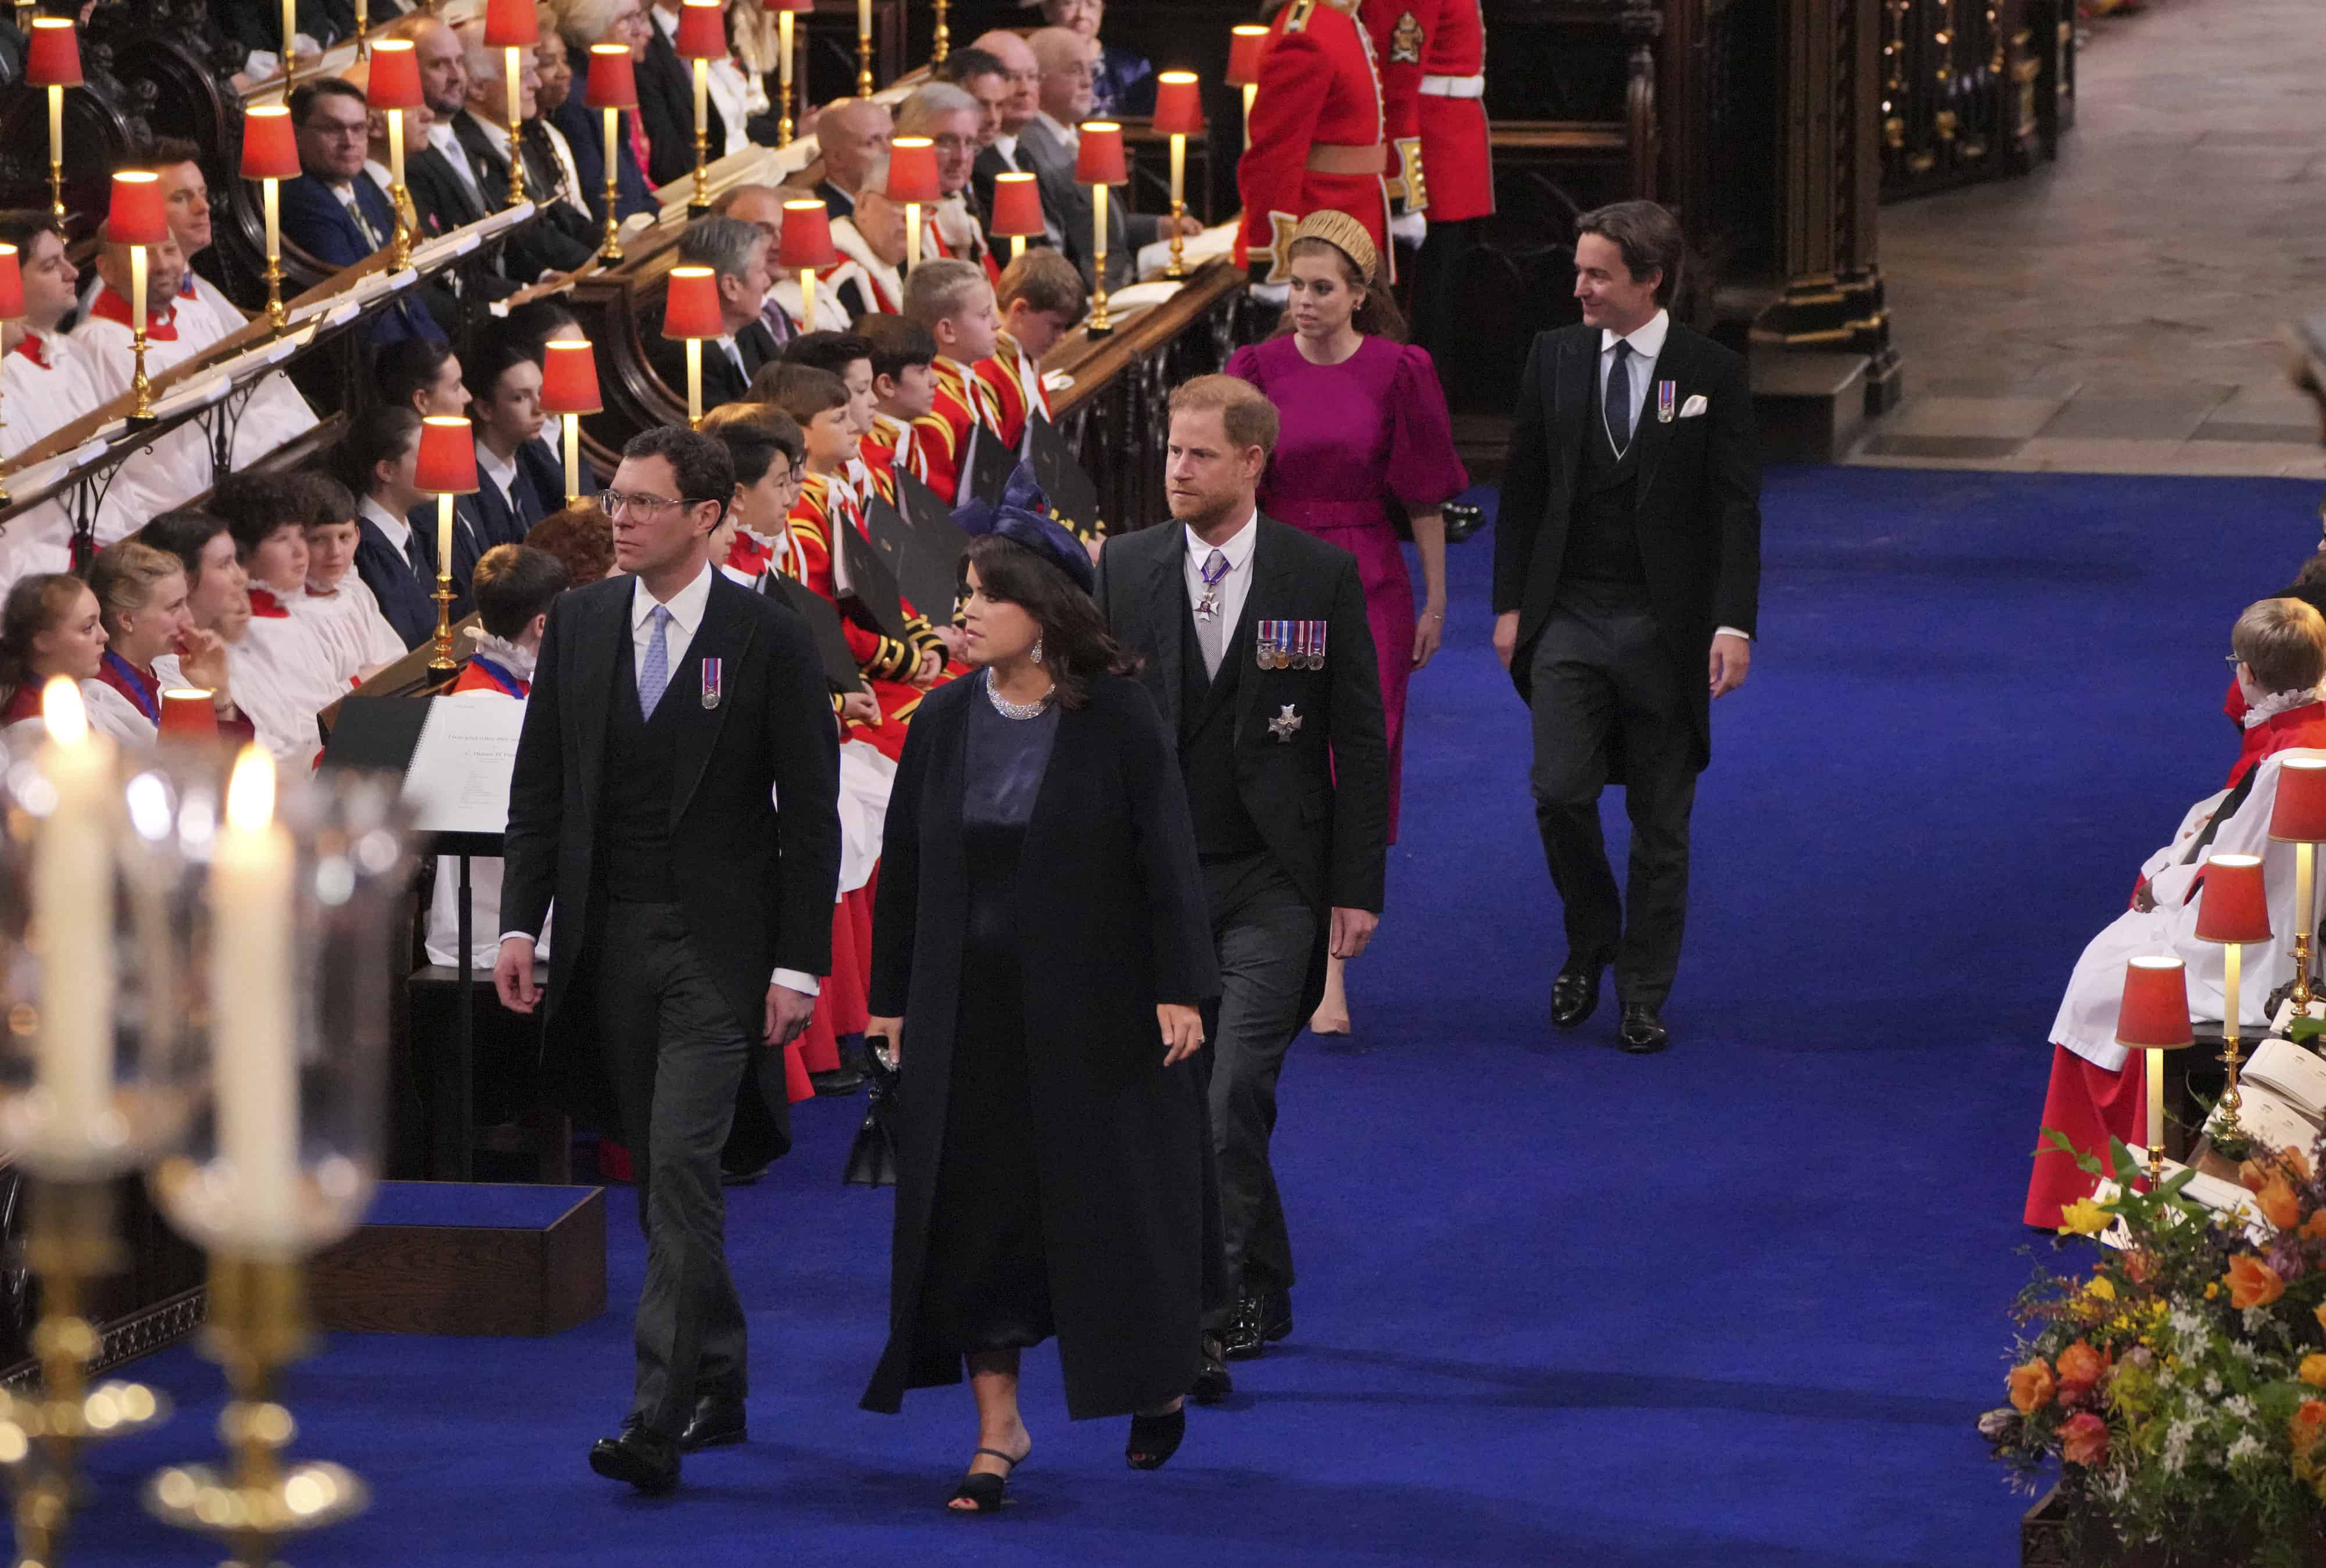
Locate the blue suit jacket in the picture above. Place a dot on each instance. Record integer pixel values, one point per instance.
(314, 220)
(585, 133)
(403, 597)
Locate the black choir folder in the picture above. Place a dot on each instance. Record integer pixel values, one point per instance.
(985, 472)
(824, 625)
(938, 540)
(929, 577)
(455, 756)
(864, 579)
(1074, 499)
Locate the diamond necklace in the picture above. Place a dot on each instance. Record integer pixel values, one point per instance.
(1021, 710)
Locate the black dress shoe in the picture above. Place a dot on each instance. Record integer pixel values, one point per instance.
(646, 1459)
(838, 1082)
(717, 1421)
(1213, 1383)
(1644, 1032)
(740, 1175)
(1245, 1334)
(1574, 993)
(1276, 1315)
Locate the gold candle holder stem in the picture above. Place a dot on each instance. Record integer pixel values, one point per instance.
(140, 384)
(440, 659)
(784, 79)
(700, 203)
(1099, 323)
(943, 43)
(516, 125)
(610, 251)
(56, 159)
(2233, 978)
(2301, 996)
(864, 60)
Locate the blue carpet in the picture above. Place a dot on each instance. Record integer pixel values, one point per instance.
(1735, 1304)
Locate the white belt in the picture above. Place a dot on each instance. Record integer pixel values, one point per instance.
(1454, 86)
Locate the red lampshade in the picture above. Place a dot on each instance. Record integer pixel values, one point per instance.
(701, 31)
(447, 460)
(2155, 1016)
(691, 310)
(1246, 44)
(394, 80)
(2299, 815)
(511, 24)
(138, 215)
(1017, 205)
(53, 57)
(913, 170)
(1178, 104)
(270, 144)
(2234, 903)
(808, 237)
(190, 714)
(569, 377)
(613, 78)
(11, 286)
(1099, 161)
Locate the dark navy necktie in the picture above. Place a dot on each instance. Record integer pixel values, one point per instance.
(1619, 398)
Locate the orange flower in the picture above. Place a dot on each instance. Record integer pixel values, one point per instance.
(2314, 1230)
(2279, 1206)
(2084, 1439)
(2032, 1387)
(2252, 1283)
(2297, 1160)
(2320, 1313)
(2308, 1426)
(2079, 1367)
(2313, 1370)
(2138, 1266)
(2253, 1175)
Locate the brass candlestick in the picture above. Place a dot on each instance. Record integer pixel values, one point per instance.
(57, 160)
(515, 128)
(700, 203)
(783, 77)
(2304, 866)
(71, 1242)
(1099, 323)
(139, 382)
(610, 251)
(2233, 975)
(944, 42)
(864, 56)
(440, 660)
(257, 1326)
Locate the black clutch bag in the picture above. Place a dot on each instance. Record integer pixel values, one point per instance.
(872, 1157)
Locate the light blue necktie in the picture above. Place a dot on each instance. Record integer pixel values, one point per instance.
(656, 673)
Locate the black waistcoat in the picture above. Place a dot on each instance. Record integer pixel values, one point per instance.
(634, 828)
(1603, 531)
(1207, 705)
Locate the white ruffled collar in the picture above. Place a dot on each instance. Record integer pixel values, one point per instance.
(517, 661)
(2267, 708)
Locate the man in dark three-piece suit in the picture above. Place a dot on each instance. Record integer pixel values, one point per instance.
(1627, 576)
(1257, 653)
(675, 795)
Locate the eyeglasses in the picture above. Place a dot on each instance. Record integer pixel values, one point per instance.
(618, 502)
(957, 143)
(2234, 659)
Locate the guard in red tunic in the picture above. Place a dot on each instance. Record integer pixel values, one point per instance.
(1316, 140)
(1433, 64)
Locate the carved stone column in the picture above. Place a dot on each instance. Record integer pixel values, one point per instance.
(1831, 174)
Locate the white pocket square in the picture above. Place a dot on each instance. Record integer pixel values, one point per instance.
(1694, 407)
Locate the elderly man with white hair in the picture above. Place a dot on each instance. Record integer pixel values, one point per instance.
(563, 237)
(850, 134)
(949, 115)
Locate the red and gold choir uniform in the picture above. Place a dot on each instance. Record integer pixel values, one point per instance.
(1012, 379)
(941, 436)
(1317, 132)
(1432, 55)
(889, 442)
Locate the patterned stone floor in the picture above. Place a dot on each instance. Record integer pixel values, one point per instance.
(2122, 309)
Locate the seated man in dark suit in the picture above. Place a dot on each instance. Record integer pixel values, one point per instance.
(666, 101)
(1069, 69)
(1006, 153)
(737, 252)
(562, 239)
(850, 134)
(334, 212)
(395, 559)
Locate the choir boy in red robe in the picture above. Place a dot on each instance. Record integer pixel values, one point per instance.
(953, 301)
(904, 389)
(1041, 300)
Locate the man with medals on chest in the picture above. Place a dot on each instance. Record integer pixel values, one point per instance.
(1256, 652)
(675, 792)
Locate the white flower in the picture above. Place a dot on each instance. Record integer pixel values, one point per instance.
(2238, 1405)
(2212, 1386)
(2256, 1318)
(2242, 1351)
(2245, 1447)
(2186, 1323)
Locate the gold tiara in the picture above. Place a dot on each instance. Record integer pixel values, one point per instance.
(1344, 234)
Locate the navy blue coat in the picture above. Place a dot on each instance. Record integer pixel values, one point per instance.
(404, 597)
(314, 220)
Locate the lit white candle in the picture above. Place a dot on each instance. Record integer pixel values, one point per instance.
(702, 96)
(72, 910)
(784, 65)
(912, 235)
(1098, 228)
(57, 123)
(255, 1070)
(396, 153)
(2155, 1106)
(807, 299)
(273, 193)
(1179, 170)
(445, 532)
(2305, 912)
(138, 265)
(290, 33)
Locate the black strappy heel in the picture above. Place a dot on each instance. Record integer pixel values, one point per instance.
(1155, 1438)
(984, 1488)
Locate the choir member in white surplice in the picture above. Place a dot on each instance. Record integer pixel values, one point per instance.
(2097, 1089)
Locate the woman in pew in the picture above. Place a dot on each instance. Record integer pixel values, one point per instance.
(583, 22)
(152, 645)
(48, 626)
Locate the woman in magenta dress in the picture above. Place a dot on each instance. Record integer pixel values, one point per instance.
(1365, 424)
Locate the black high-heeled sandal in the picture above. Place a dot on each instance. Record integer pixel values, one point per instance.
(1155, 1438)
(984, 1488)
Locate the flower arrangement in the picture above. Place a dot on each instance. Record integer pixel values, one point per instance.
(2181, 1382)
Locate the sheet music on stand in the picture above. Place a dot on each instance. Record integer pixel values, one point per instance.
(455, 754)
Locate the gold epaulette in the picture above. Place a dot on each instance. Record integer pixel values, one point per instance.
(1298, 17)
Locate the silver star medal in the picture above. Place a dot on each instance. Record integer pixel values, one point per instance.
(1286, 723)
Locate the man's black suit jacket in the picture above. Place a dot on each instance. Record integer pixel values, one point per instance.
(667, 111)
(755, 882)
(561, 240)
(754, 345)
(1319, 795)
(990, 164)
(442, 204)
(1699, 506)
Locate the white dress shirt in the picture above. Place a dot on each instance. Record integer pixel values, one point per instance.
(503, 475)
(1647, 347)
(398, 529)
(1235, 586)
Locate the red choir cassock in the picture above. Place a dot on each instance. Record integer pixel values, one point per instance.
(1012, 380)
(941, 436)
(1317, 132)
(2092, 1104)
(1433, 66)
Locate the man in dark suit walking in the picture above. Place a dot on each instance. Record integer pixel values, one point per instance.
(1627, 579)
(675, 792)
(736, 252)
(1257, 653)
